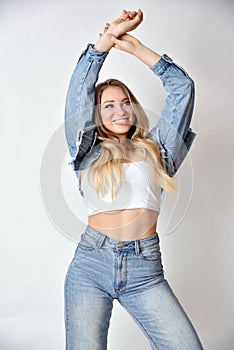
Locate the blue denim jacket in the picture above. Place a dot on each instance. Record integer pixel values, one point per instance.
(172, 133)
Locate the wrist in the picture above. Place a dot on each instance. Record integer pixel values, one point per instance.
(137, 48)
(146, 55)
(115, 30)
(103, 44)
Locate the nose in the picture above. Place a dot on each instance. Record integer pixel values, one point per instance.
(119, 110)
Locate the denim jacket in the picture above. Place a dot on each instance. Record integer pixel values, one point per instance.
(172, 133)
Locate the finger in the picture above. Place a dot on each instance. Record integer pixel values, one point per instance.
(113, 38)
(139, 13)
(132, 14)
(137, 19)
(106, 27)
(124, 15)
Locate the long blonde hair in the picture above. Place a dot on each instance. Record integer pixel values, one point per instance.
(107, 171)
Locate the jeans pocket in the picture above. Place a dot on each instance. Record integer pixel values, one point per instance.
(150, 252)
(86, 243)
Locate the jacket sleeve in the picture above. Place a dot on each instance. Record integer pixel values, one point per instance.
(79, 124)
(173, 133)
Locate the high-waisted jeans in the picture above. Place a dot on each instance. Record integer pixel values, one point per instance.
(131, 272)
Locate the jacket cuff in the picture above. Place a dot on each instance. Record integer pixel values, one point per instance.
(95, 55)
(161, 66)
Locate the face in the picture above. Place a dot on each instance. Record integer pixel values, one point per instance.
(116, 111)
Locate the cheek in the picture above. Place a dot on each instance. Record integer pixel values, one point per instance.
(129, 111)
(106, 116)
(132, 115)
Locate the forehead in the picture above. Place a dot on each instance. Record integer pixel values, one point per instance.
(113, 93)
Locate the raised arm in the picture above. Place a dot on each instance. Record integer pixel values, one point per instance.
(172, 133)
(80, 100)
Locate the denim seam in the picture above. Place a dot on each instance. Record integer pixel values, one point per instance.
(66, 308)
(141, 256)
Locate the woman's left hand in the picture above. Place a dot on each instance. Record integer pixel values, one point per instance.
(128, 21)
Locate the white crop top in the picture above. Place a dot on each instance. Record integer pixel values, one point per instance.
(138, 190)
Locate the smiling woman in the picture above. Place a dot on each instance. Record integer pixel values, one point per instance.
(116, 105)
(122, 168)
(116, 111)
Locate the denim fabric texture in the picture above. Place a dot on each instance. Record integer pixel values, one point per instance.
(131, 272)
(172, 133)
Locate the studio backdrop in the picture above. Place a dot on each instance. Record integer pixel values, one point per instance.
(43, 215)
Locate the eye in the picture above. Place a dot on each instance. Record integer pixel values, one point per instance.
(126, 103)
(109, 105)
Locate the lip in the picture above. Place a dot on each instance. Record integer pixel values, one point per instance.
(121, 121)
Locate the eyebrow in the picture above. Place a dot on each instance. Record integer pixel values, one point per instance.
(112, 101)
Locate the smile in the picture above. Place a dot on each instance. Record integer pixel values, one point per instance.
(121, 120)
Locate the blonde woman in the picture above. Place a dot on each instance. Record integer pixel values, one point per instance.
(122, 169)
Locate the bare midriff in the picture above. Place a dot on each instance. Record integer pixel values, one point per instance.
(127, 224)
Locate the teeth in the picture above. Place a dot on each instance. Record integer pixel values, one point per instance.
(120, 120)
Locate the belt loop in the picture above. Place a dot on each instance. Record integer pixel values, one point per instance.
(101, 241)
(137, 247)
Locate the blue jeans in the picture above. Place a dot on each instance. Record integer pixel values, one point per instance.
(131, 272)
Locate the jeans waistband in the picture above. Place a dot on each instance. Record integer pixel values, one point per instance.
(99, 239)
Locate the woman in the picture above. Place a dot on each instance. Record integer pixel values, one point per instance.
(122, 169)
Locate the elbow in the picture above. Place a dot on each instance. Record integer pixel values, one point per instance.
(190, 100)
(185, 87)
(192, 92)
(189, 92)
(190, 86)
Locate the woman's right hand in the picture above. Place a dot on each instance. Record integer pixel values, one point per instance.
(126, 43)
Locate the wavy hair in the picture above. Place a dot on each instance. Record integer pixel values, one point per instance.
(107, 171)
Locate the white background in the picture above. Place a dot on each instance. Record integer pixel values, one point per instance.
(40, 43)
